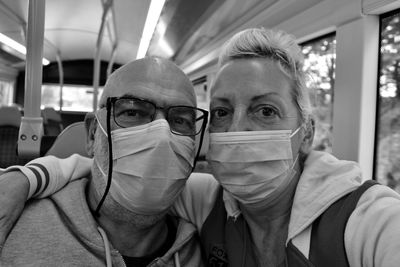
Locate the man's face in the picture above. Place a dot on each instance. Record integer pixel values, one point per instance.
(155, 80)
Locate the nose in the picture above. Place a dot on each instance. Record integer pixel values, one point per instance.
(240, 121)
(160, 114)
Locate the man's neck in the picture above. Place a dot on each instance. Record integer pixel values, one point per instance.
(130, 237)
(132, 241)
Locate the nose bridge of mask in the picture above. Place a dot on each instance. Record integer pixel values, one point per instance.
(250, 146)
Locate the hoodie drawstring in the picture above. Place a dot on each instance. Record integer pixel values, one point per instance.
(106, 246)
(176, 259)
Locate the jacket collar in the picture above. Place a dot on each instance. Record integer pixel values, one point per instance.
(324, 180)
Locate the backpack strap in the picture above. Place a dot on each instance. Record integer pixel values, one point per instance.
(327, 246)
(225, 241)
(212, 235)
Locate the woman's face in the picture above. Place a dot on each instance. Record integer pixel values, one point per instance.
(252, 95)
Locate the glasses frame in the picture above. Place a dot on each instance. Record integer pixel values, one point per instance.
(112, 100)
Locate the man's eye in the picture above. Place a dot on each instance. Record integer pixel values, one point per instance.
(180, 120)
(129, 113)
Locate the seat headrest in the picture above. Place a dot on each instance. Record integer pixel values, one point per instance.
(10, 115)
(70, 141)
(49, 113)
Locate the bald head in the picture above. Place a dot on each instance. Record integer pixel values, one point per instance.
(155, 79)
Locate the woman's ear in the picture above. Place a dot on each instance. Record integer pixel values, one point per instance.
(90, 125)
(306, 144)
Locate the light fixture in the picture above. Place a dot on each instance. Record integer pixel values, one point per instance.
(17, 46)
(153, 14)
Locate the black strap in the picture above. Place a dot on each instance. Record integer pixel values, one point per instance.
(225, 241)
(327, 247)
(213, 235)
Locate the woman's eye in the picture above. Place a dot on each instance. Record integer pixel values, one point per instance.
(266, 112)
(219, 113)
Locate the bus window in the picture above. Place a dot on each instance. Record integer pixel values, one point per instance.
(74, 97)
(320, 57)
(6, 93)
(387, 145)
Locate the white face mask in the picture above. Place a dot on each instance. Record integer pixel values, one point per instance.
(151, 166)
(252, 165)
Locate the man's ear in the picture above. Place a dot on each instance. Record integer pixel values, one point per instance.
(90, 126)
(306, 145)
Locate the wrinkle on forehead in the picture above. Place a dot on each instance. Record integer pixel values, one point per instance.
(245, 72)
(157, 75)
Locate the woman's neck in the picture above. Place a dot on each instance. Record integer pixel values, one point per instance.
(268, 222)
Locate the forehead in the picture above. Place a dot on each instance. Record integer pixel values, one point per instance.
(247, 78)
(160, 82)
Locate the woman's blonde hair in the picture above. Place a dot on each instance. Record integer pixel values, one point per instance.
(278, 46)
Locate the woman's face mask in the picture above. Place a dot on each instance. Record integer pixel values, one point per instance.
(252, 165)
(150, 166)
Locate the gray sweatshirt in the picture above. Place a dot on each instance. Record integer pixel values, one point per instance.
(60, 231)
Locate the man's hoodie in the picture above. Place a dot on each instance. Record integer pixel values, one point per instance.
(61, 231)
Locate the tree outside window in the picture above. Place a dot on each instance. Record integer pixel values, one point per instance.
(387, 147)
(320, 63)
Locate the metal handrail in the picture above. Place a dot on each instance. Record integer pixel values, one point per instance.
(108, 12)
(31, 129)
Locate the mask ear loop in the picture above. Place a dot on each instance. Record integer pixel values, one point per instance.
(203, 129)
(110, 159)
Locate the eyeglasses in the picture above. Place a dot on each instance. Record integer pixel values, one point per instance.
(183, 120)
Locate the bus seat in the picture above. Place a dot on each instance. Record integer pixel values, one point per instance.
(10, 120)
(71, 140)
(52, 122)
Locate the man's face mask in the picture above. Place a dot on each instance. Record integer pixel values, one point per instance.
(150, 166)
(252, 165)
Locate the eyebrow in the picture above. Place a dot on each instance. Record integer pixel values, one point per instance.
(255, 98)
(221, 99)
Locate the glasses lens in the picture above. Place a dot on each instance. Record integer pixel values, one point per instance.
(133, 112)
(185, 120)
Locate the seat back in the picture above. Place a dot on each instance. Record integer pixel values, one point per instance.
(10, 120)
(70, 141)
(52, 122)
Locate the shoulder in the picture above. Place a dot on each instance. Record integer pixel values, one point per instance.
(372, 232)
(197, 198)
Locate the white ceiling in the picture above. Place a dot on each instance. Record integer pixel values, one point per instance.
(72, 27)
(196, 29)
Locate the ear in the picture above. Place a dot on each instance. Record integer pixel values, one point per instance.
(90, 126)
(306, 144)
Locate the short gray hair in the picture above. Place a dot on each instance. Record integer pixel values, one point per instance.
(278, 46)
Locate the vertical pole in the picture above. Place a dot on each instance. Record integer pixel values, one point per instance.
(96, 64)
(31, 129)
